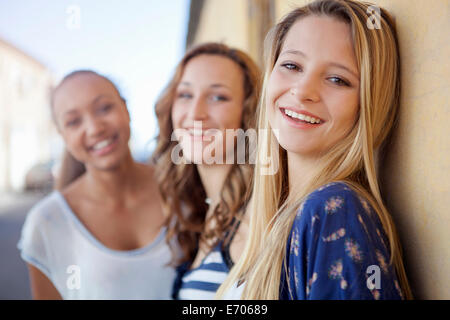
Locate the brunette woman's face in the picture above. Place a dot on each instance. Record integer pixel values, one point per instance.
(210, 92)
(93, 121)
(313, 90)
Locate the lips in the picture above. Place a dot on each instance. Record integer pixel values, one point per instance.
(300, 119)
(200, 134)
(104, 146)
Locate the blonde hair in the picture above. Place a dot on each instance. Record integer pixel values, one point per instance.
(351, 160)
(180, 184)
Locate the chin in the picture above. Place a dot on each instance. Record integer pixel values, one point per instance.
(110, 163)
(297, 148)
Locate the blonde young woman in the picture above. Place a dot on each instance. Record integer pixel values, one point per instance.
(100, 235)
(319, 228)
(212, 96)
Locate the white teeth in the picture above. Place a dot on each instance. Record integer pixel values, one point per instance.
(102, 144)
(196, 132)
(301, 116)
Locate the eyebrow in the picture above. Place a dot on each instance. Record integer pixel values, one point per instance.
(334, 64)
(99, 97)
(297, 52)
(214, 85)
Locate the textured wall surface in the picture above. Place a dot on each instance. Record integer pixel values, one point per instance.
(224, 21)
(416, 173)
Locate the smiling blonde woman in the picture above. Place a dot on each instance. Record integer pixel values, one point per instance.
(318, 226)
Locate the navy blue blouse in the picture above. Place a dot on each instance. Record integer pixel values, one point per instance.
(337, 249)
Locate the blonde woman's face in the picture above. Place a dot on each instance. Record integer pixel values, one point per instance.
(313, 90)
(93, 120)
(210, 94)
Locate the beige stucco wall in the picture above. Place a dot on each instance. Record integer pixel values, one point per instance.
(224, 21)
(416, 173)
(238, 23)
(417, 170)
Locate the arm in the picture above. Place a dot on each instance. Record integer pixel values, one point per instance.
(41, 287)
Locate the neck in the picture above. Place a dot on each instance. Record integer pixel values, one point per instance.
(213, 178)
(114, 183)
(301, 170)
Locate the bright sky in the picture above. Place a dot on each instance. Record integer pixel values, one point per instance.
(136, 43)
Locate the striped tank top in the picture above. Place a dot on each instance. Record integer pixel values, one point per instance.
(201, 283)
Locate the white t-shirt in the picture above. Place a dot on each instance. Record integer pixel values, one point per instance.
(80, 267)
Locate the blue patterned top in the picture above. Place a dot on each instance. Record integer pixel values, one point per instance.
(337, 249)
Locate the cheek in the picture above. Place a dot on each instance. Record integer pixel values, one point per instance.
(271, 90)
(74, 143)
(234, 117)
(345, 112)
(277, 85)
(176, 114)
(275, 89)
(226, 116)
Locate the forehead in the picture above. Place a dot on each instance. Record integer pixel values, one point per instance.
(321, 38)
(206, 69)
(80, 90)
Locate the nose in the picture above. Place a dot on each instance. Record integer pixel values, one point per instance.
(199, 109)
(306, 89)
(94, 127)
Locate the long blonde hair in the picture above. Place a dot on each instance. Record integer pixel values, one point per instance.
(351, 160)
(180, 184)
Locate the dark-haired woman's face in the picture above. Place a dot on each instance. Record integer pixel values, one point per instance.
(93, 121)
(211, 95)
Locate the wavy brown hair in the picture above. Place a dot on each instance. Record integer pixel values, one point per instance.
(180, 185)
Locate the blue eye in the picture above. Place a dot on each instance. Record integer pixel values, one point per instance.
(72, 123)
(291, 66)
(339, 81)
(184, 96)
(106, 108)
(219, 98)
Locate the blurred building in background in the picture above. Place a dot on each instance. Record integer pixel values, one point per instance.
(26, 129)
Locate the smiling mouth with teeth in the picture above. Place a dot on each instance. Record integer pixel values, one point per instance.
(300, 117)
(201, 133)
(104, 143)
